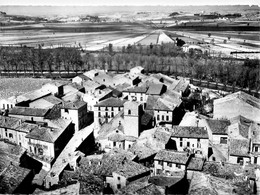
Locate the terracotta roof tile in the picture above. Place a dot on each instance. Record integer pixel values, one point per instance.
(218, 126)
(189, 132)
(26, 111)
(172, 156)
(239, 147)
(111, 102)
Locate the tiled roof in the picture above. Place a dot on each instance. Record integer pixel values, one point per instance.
(115, 92)
(195, 164)
(123, 86)
(189, 132)
(164, 105)
(112, 161)
(9, 122)
(172, 156)
(161, 135)
(246, 98)
(179, 85)
(84, 77)
(218, 126)
(142, 151)
(26, 127)
(117, 137)
(172, 97)
(131, 169)
(36, 94)
(26, 111)
(12, 177)
(164, 181)
(51, 133)
(111, 102)
(69, 189)
(147, 117)
(52, 99)
(139, 89)
(54, 112)
(151, 100)
(74, 105)
(239, 147)
(155, 89)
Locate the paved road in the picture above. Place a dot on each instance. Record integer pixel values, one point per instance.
(67, 156)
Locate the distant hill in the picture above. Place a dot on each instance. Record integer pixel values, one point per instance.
(43, 11)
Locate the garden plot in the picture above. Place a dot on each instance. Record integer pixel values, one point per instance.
(163, 38)
(150, 39)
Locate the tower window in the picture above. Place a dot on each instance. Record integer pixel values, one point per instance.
(129, 111)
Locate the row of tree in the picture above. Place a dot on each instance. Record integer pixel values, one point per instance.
(240, 73)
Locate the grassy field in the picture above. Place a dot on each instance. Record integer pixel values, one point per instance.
(18, 86)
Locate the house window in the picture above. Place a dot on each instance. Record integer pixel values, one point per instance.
(7, 106)
(255, 160)
(129, 111)
(178, 166)
(118, 178)
(118, 186)
(119, 108)
(240, 160)
(167, 118)
(40, 151)
(158, 117)
(99, 108)
(188, 144)
(112, 109)
(180, 142)
(213, 158)
(160, 162)
(162, 117)
(5, 132)
(30, 149)
(169, 164)
(112, 114)
(114, 144)
(10, 135)
(141, 98)
(256, 149)
(223, 140)
(3, 106)
(66, 110)
(99, 114)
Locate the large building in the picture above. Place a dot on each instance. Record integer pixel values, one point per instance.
(239, 103)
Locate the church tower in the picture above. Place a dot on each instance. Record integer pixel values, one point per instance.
(132, 115)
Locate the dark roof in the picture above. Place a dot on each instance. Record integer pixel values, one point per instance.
(218, 126)
(9, 122)
(196, 164)
(150, 102)
(74, 105)
(140, 89)
(111, 102)
(189, 132)
(146, 117)
(239, 147)
(123, 86)
(155, 89)
(164, 181)
(26, 111)
(162, 135)
(115, 92)
(84, 77)
(54, 112)
(172, 156)
(131, 169)
(12, 177)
